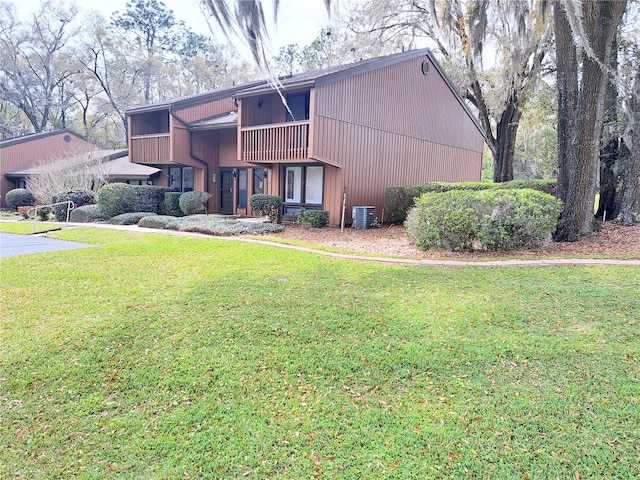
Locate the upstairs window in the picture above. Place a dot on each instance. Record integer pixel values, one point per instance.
(299, 106)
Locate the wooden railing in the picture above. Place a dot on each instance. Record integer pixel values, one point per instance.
(150, 149)
(276, 142)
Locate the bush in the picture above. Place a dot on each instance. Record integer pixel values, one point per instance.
(130, 218)
(117, 198)
(43, 213)
(446, 220)
(172, 204)
(399, 200)
(501, 219)
(313, 218)
(192, 203)
(517, 219)
(156, 221)
(19, 197)
(269, 205)
(79, 197)
(86, 214)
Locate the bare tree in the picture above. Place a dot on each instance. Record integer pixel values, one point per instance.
(68, 171)
(35, 64)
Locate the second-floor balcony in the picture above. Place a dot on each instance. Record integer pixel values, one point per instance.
(150, 149)
(276, 142)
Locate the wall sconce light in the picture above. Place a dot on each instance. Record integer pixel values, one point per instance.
(264, 172)
(260, 102)
(233, 172)
(235, 102)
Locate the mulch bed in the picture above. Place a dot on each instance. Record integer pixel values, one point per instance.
(612, 240)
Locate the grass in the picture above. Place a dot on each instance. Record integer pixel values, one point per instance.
(156, 356)
(28, 227)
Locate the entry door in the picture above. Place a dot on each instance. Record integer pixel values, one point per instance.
(226, 191)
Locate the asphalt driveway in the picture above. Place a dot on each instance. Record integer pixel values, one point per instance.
(12, 244)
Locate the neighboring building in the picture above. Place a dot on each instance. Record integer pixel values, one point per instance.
(394, 120)
(21, 157)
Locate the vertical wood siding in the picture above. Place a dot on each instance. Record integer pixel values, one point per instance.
(393, 126)
(30, 152)
(206, 110)
(374, 160)
(400, 99)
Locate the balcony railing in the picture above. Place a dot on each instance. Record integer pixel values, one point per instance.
(277, 142)
(150, 149)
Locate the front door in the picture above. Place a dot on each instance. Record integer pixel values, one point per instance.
(226, 191)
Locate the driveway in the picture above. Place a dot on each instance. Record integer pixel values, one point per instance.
(12, 244)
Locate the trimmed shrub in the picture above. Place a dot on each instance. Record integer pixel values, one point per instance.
(501, 219)
(117, 198)
(446, 220)
(43, 213)
(130, 218)
(399, 200)
(86, 214)
(313, 218)
(545, 186)
(150, 198)
(79, 197)
(518, 219)
(192, 203)
(269, 205)
(172, 204)
(19, 197)
(156, 221)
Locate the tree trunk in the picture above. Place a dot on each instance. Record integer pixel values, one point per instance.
(630, 198)
(506, 133)
(609, 152)
(581, 97)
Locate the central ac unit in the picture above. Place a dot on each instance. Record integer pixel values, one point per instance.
(363, 217)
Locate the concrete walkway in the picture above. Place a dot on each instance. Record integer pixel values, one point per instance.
(31, 244)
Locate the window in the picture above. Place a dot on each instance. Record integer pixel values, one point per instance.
(303, 187)
(181, 179)
(258, 181)
(299, 106)
(242, 188)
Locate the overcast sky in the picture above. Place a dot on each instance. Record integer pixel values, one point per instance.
(299, 21)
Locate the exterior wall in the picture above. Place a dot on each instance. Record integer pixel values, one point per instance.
(393, 126)
(25, 152)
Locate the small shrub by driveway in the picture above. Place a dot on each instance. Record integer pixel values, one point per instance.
(130, 218)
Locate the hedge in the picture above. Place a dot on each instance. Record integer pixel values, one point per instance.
(79, 197)
(269, 205)
(501, 219)
(131, 218)
(313, 218)
(117, 198)
(172, 204)
(19, 197)
(192, 203)
(399, 200)
(86, 214)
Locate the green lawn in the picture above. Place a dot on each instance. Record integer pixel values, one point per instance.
(156, 356)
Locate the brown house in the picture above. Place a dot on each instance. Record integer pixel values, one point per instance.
(21, 157)
(28, 150)
(394, 120)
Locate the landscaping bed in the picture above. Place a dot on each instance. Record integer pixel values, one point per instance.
(613, 239)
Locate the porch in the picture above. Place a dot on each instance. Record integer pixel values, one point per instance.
(278, 142)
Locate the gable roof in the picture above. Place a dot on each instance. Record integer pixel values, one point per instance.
(193, 100)
(8, 142)
(117, 165)
(317, 78)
